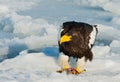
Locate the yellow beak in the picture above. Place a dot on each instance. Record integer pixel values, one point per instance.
(65, 38)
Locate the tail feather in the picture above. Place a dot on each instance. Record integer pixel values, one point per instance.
(89, 55)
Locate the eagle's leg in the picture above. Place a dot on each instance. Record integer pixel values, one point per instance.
(63, 62)
(80, 64)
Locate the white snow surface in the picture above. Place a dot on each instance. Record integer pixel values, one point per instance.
(37, 67)
(29, 32)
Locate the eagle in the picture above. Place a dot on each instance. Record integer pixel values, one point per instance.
(76, 40)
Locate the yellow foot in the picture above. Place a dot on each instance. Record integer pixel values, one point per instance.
(71, 71)
(75, 72)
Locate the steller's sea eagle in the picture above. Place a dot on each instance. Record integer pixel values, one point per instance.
(76, 40)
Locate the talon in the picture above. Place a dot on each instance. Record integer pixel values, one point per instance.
(82, 71)
(60, 71)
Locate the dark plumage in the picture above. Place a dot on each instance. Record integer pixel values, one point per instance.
(76, 40)
(78, 46)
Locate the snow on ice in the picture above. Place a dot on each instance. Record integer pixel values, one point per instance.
(29, 33)
(38, 67)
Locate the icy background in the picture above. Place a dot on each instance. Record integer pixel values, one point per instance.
(29, 33)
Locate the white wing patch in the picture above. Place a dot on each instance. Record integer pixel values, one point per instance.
(61, 30)
(92, 36)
